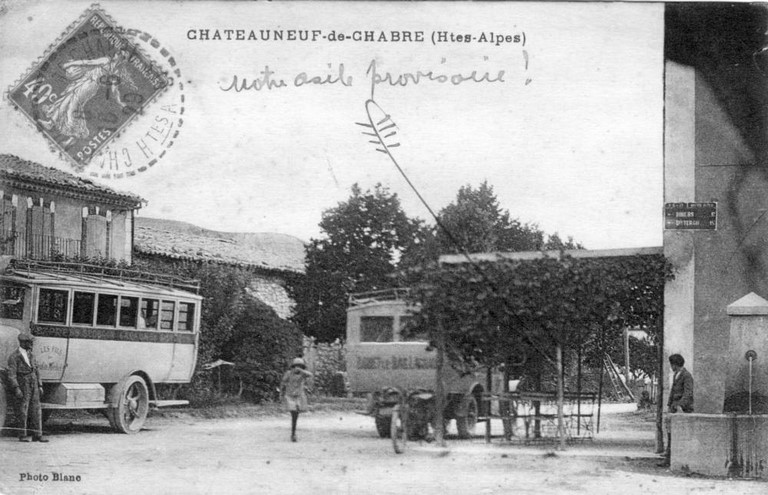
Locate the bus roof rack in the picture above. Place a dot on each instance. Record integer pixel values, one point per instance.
(19, 266)
(378, 296)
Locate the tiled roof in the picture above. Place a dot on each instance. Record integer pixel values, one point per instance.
(13, 167)
(182, 240)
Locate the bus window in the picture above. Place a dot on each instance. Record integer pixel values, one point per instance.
(166, 315)
(186, 317)
(82, 308)
(148, 316)
(52, 307)
(129, 307)
(416, 334)
(106, 311)
(12, 306)
(376, 328)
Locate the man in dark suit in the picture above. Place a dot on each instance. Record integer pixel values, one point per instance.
(680, 397)
(681, 393)
(24, 378)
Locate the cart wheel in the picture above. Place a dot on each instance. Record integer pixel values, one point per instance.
(132, 405)
(466, 424)
(399, 431)
(384, 426)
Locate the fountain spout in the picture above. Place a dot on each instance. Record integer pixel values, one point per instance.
(751, 355)
(746, 383)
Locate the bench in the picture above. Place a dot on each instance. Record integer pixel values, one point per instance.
(539, 409)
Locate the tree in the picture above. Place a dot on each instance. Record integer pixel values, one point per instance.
(555, 243)
(362, 241)
(475, 223)
(261, 346)
(479, 224)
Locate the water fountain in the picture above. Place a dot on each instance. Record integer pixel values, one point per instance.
(734, 443)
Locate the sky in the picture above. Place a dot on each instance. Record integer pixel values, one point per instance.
(570, 136)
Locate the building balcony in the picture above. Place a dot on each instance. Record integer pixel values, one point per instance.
(37, 247)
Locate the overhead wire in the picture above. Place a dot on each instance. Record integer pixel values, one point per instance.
(378, 127)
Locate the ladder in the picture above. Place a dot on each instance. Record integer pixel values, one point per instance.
(622, 390)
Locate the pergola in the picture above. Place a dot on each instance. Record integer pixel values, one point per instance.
(483, 258)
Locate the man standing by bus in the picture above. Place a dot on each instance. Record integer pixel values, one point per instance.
(24, 378)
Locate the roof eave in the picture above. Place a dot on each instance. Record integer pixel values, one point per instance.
(240, 264)
(129, 202)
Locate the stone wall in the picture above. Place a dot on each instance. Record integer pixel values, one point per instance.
(272, 292)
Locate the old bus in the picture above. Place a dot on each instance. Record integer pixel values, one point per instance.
(384, 364)
(102, 341)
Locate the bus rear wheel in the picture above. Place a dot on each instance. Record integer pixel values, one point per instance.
(131, 405)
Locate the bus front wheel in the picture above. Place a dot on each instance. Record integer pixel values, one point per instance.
(131, 405)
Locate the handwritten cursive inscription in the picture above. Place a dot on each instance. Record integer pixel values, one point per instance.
(269, 80)
(407, 78)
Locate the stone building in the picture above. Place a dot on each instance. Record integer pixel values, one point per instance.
(716, 153)
(272, 258)
(46, 212)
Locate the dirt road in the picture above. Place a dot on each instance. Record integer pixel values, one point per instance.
(337, 453)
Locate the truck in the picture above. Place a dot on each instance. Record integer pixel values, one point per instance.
(384, 364)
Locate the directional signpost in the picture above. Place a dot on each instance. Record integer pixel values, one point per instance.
(690, 216)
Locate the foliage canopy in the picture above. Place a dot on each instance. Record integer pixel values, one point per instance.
(514, 311)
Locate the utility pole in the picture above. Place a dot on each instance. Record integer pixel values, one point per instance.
(440, 385)
(560, 423)
(626, 356)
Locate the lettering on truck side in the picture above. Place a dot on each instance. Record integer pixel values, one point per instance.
(395, 363)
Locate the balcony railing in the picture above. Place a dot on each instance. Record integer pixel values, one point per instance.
(37, 247)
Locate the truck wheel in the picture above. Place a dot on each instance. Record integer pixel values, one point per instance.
(466, 424)
(399, 432)
(131, 405)
(384, 426)
(46, 415)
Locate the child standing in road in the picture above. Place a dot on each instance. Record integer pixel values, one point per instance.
(293, 391)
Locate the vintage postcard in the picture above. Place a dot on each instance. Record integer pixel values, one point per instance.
(208, 138)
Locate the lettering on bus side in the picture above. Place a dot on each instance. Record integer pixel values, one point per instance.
(395, 363)
(50, 358)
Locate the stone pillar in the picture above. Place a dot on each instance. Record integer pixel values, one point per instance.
(679, 187)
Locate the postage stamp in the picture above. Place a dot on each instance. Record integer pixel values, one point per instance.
(90, 85)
